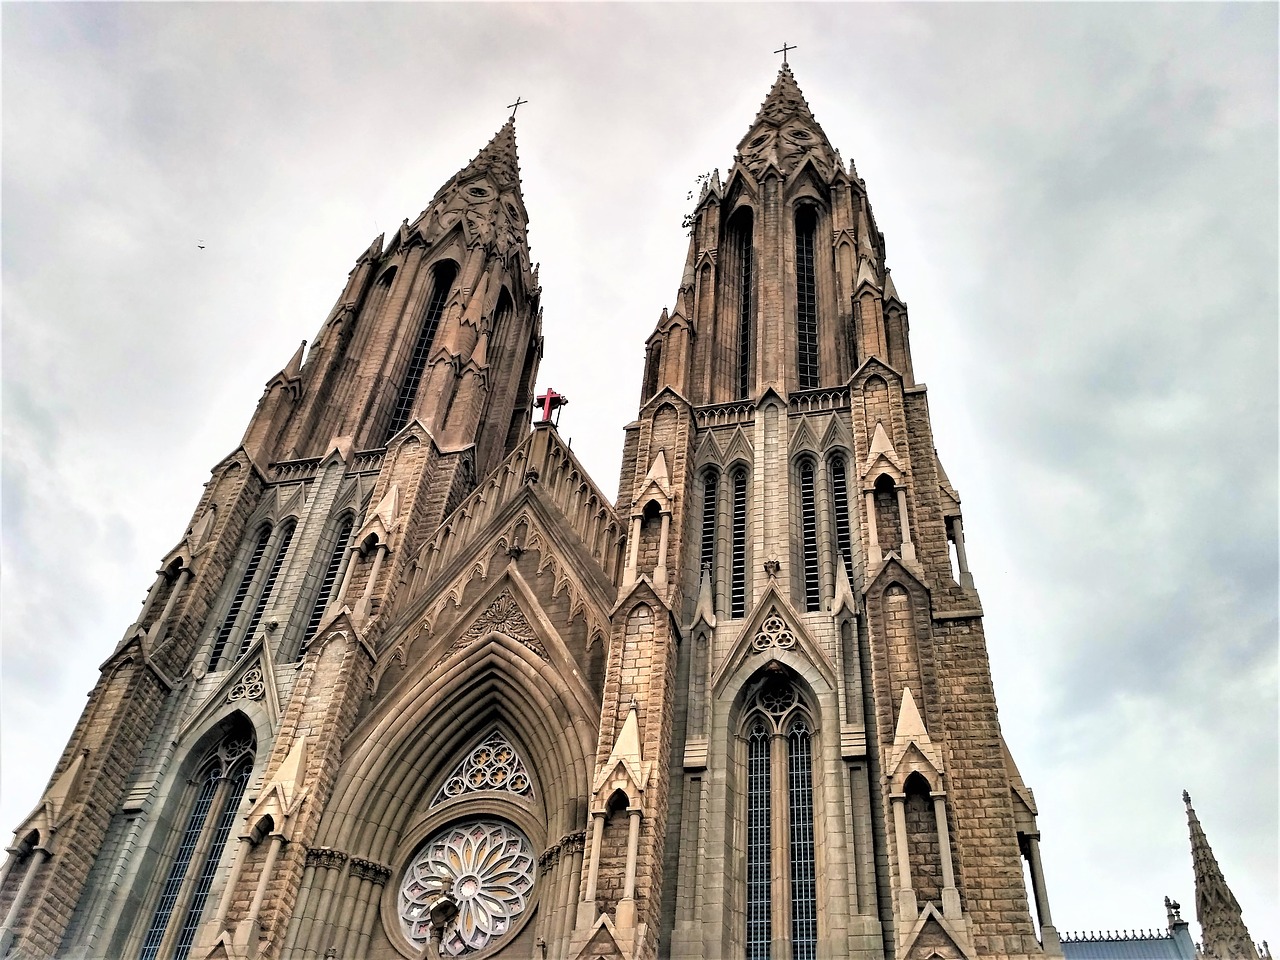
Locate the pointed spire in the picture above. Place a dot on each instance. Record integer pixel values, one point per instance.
(890, 291)
(784, 100)
(498, 158)
(1222, 930)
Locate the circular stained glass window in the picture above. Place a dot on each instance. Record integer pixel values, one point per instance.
(487, 866)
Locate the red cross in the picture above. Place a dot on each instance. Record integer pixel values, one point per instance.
(549, 402)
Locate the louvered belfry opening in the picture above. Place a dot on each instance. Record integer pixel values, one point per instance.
(806, 299)
(443, 275)
(809, 537)
(738, 548)
(740, 293)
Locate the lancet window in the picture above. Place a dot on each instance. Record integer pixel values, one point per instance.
(442, 277)
(325, 594)
(738, 547)
(217, 789)
(741, 294)
(268, 587)
(707, 548)
(806, 299)
(781, 846)
(840, 508)
(241, 595)
(809, 537)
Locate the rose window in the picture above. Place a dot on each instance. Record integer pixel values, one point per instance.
(487, 866)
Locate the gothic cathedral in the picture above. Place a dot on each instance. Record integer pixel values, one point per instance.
(411, 684)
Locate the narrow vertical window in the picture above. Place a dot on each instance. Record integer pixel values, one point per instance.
(330, 578)
(442, 280)
(207, 787)
(707, 553)
(236, 783)
(804, 891)
(840, 498)
(741, 285)
(268, 588)
(806, 299)
(219, 788)
(237, 601)
(738, 548)
(809, 537)
(759, 874)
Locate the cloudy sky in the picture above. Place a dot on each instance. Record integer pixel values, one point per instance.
(1080, 206)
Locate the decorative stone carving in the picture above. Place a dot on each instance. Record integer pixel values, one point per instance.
(773, 632)
(251, 686)
(492, 765)
(503, 616)
(326, 857)
(370, 870)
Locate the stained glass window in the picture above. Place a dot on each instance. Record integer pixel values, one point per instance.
(237, 601)
(488, 867)
(492, 765)
(759, 875)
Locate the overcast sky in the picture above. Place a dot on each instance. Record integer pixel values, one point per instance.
(1080, 208)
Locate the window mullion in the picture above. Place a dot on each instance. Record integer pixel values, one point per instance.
(780, 852)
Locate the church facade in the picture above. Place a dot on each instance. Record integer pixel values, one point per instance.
(411, 683)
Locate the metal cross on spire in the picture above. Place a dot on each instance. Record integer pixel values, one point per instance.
(785, 47)
(513, 107)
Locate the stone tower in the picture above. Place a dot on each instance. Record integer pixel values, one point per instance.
(411, 683)
(839, 785)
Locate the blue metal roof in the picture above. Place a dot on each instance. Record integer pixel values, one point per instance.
(1169, 947)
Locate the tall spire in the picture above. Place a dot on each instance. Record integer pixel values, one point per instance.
(785, 132)
(1222, 930)
(497, 158)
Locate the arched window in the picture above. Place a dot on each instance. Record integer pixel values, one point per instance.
(806, 298)
(240, 596)
(740, 290)
(779, 887)
(268, 587)
(501, 314)
(442, 277)
(331, 571)
(840, 500)
(738, 548)
(218, 788)
(809, 537)
(707, 549)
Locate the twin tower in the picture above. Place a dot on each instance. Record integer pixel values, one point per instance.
(411, 684)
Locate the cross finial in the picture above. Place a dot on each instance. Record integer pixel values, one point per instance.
(513, 107)
(785, 47)
(550, 403)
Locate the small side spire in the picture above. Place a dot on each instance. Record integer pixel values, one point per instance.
(1222, 929)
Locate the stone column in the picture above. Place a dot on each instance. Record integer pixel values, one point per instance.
(633, 553)
(1048, 933)
(362, 608)
(660, 569)
(874, 555)
(228, 892)
(908, 548)
(587, 906)
(268, 867)
(906, 894)
(950, 896)
(626, 912)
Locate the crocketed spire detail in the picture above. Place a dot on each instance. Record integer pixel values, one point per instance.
(497, 158)
(785, 133)
(1222, 930)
